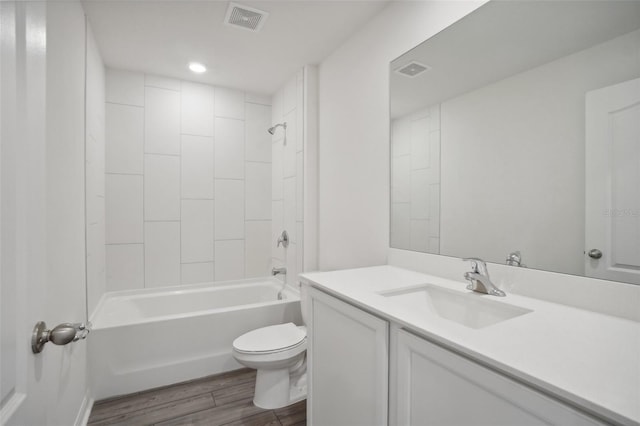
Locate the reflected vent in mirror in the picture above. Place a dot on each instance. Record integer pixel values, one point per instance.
(412, 69)
(245, 17)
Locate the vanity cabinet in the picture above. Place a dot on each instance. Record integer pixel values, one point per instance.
(435, 386)
(365, 370)
(348, 364)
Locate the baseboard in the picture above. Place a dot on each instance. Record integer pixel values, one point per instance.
(85, 410)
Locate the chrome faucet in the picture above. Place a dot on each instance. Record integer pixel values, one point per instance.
(515, 259)
(276, 271)
(479, 279)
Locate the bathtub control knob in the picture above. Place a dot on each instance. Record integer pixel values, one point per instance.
(283, 239)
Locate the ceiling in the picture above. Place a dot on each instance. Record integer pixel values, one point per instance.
(162, 37)
(501, 39)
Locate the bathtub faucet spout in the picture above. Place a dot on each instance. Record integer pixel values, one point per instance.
(276, 271)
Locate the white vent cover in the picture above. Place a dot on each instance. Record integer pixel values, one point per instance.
(412, 69)
(245, 17)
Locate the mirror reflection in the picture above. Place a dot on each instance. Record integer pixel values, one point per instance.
(523, 147)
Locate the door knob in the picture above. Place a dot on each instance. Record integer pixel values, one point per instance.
(61, 334)
(595, 254)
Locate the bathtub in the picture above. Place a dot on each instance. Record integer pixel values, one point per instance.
(147, 338)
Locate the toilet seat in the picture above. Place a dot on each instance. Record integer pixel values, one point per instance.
(271, 339)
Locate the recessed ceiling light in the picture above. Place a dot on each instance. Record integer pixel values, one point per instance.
(197, 68)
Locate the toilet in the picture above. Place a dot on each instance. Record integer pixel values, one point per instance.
(278, 352)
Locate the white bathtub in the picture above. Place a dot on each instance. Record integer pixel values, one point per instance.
(154, 337)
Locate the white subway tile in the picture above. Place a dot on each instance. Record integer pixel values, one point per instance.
(124, 87)
(195, 273)
(162, 82)
(400, 225)
(419, 195)
(300, 236)
(258, 248)
(229, 148)
(258, 191)
(229, 103)
(124, 267)
(277, 226)
(161, 187)
(197, 167)
(401, 138)
(419, 235)
(289, 209)
(197, 231)
(401, 179)
(123, 209)
(300, 258)
(299, 129)
(258, 139)
(229, 209)
(289, 150)
(256, 98)
(229, 260)
(292, 263)
(299, 186)
(162, 121)
(277, 171)
(197, 109)
(162, 253)
(420, 144)
(124, 146)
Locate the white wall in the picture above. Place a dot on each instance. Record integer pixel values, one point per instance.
(354, 130)
(287, 176)
(513, 159)
(94, 157)
(188, 172)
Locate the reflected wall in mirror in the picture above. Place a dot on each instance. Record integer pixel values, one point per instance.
(518, 129)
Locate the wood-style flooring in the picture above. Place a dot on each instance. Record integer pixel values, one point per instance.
(223, 399)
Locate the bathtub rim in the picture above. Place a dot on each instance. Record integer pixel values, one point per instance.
(289, 289)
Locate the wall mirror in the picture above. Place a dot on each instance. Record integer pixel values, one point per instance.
(517, 129)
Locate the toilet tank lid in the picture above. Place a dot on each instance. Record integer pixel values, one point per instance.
(273, 337)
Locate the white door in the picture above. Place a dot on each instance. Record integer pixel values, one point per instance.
(612, 237)
(22, 212)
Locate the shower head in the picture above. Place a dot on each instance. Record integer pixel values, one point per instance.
(272, 130)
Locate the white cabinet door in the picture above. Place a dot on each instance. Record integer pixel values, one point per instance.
(348, 364)
(434, 386)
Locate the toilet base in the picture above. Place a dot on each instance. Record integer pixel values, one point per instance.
(280, 388)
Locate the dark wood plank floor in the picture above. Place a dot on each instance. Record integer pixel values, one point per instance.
(223, 399)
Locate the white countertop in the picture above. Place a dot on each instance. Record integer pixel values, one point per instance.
(590, 359)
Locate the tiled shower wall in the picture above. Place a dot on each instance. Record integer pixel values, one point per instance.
(287, 175)
(188, 182)
(415, 181)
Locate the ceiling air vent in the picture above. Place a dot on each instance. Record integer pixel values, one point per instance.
(412, 69)
(245, 17)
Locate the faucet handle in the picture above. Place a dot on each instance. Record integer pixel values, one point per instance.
(477, 265)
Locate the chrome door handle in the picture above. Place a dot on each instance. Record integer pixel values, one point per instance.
(595, 254)
(62, 334)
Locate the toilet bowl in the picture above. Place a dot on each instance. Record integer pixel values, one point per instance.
(278, 353)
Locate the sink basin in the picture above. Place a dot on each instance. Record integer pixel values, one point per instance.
(469, 309)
